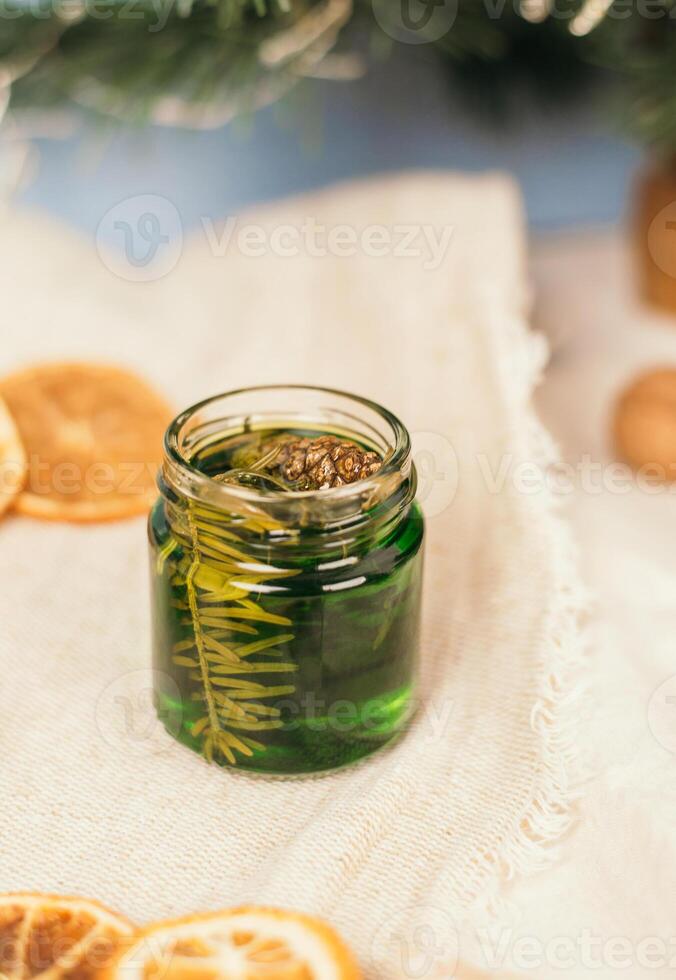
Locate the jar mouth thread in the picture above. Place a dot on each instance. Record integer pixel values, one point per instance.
(215, 419)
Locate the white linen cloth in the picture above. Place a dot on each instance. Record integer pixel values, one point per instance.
(97, 799)
(607, 908)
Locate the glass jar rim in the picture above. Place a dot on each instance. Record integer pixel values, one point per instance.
(189, 479)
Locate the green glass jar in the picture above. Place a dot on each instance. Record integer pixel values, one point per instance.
(285, 620)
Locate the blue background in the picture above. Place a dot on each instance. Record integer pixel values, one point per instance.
(573, 167)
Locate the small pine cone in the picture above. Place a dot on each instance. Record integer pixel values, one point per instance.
(317, 464)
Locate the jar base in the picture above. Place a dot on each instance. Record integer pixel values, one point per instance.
(309, 750)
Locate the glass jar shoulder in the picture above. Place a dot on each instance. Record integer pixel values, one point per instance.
(339, 568)
(406, 538)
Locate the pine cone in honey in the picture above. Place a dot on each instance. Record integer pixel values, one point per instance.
(317, 464)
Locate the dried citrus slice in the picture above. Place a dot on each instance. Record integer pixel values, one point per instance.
(236, 944)
(93, 436)
(645, 424)
(52, 937)
(13, 465)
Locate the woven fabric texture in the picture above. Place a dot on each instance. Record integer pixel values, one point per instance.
(97, 799)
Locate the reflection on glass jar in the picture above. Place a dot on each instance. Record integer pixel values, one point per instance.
(286, 566)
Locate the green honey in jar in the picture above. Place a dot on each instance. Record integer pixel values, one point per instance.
(286, 566)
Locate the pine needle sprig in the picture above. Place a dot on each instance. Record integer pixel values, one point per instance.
(641, 52)
(222, 611)
(183, 60)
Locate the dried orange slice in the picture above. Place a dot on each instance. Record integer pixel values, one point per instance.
(93, 437)
(13, 465)
(53, 937)
(236, 944)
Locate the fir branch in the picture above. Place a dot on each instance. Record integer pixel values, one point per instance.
(144, 59)
(642, 53)
(214, 660)
(197, 628)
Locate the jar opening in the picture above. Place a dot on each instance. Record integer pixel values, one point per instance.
(201, 430)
